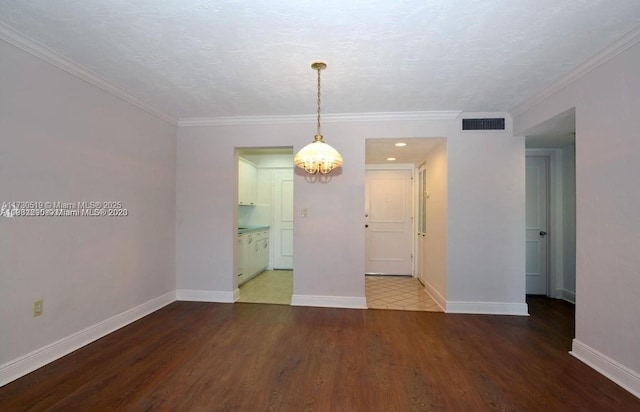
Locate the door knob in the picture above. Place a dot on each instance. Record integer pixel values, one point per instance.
(543, 233)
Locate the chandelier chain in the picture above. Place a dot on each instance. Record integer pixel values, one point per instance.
(319, 102)
(318, 156)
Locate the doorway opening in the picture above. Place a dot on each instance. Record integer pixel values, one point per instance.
(396, 212)
(550, 208)
(264, 247)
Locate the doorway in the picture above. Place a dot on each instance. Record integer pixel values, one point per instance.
(550, 159)
(392, 273)
(264, 249)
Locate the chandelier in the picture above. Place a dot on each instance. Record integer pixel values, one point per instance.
(318, 156)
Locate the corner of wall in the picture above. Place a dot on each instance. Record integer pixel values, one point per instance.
(17, 368)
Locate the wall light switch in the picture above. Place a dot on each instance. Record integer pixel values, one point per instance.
(38, 307)
(305, 212)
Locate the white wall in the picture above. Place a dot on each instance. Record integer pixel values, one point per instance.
(435, 240)
(606, 102)
(323, 265)
(485, 204)
(486, 214)
(63, 139)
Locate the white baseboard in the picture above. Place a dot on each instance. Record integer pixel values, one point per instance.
(205, 296)
(236, 294)
(567, 295)
(25, 364)
(348, 302)
(435, 295)
(488, 308)
(613, 370)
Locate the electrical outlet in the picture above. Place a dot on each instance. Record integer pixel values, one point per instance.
(38, 308)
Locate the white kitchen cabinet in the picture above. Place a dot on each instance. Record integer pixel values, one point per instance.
(262, 258)
(247, 183)
(253, 254)
(252, 265)
(249, 267)
(240, 262)
(245, 244)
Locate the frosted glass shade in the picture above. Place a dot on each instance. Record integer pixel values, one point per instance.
(318, 157)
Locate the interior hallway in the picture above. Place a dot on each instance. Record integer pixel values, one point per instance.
(398, 293)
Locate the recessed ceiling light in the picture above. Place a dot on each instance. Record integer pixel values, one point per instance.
(391, 159)
(401, 144)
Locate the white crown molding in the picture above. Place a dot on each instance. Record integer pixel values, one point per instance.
(393, 116)
(28, 363)
(20, 40)
(621, 44)
(243, 120)
(327, 118)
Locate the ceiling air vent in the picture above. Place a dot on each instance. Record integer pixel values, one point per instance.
(483, 124)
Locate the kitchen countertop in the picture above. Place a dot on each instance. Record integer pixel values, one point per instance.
(249, 229)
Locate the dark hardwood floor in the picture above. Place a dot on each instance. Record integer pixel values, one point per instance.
(250, 357)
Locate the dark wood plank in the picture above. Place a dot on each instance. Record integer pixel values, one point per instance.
(246, 357)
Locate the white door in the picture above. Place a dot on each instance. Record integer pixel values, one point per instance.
(536, 224)
(388, 222)
(282, 228)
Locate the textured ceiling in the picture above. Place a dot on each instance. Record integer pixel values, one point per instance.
(197, 58)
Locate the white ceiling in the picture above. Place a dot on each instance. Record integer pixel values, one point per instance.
(197, 58)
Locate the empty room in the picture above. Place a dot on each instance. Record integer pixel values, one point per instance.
(329, 206)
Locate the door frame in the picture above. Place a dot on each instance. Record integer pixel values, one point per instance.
(418, 193)
(412, 168)
(555, 250)
(236, 155)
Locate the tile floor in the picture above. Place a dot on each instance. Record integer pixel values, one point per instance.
(271, 286)
(382, 292)
(398, 293)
